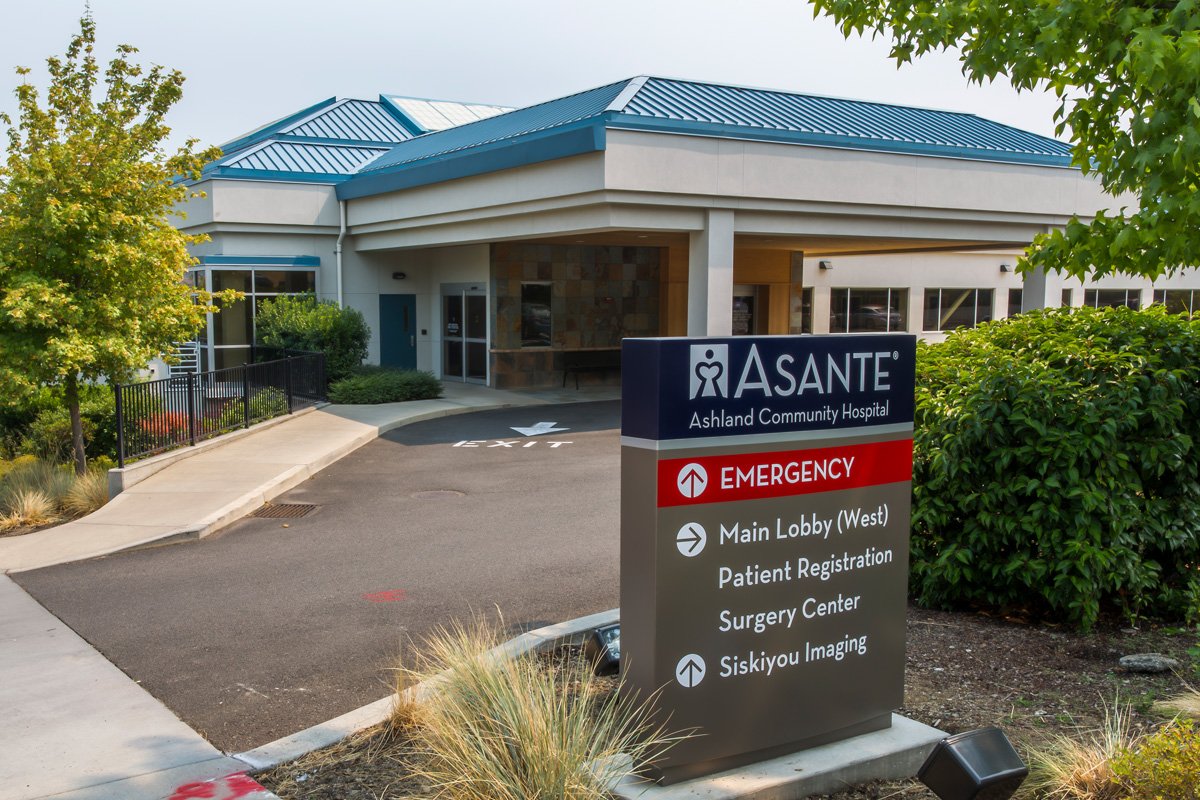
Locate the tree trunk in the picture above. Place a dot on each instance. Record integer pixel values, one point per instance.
(76, 425)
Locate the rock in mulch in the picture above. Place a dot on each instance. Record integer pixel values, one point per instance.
(1149, 663)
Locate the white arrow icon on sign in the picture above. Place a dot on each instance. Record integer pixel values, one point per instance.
(692, 480)
(691, 539)
(690, 670)
(539, 429)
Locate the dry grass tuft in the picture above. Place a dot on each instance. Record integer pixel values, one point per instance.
(24, 507)
(1185, 704)
(1072, 769)
(495, 728)
(87, 493)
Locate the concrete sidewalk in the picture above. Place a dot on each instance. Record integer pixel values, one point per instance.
(75, 727)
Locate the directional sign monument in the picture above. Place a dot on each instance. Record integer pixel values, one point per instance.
(765, 490)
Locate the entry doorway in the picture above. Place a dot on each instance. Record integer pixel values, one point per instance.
(464, 333)
(398, 330)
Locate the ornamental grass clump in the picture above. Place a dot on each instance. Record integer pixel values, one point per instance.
(35, 493)
(1070, 769)
(87, 493)
(496, 728)
(1057, 466)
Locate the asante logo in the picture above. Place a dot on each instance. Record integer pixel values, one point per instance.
(709, 371)
(784, 374)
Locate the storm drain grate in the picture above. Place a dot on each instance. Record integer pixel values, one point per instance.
(285, 510)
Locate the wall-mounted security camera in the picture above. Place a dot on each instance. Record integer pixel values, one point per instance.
(825, 264)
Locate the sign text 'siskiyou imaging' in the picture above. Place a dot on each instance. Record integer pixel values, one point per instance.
(765, 484)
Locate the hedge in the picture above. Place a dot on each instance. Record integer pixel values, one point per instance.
(1056, 468)
(372, 385)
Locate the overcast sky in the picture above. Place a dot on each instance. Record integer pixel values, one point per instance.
(253, 61)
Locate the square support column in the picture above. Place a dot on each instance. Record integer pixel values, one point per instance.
(1039, 290)
(710, 276)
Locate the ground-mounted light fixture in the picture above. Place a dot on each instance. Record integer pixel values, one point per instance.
(1005, 268)
(825, 264)
(399, 276)
(603, 649)
(976, 765)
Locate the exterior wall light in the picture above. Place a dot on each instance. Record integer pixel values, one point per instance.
(825, 264)
(1005, 268)
(399, 276)
(603, 648)
(976, 765)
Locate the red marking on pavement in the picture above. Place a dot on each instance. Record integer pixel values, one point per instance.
(756, 476)
(390, 596)
(231, 787)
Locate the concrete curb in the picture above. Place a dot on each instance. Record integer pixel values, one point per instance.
(326, 733)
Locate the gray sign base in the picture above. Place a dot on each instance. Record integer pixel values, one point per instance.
(892, 753)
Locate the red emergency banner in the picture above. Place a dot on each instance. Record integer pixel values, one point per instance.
(760, 476)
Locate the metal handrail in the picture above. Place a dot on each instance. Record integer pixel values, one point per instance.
(160, 415)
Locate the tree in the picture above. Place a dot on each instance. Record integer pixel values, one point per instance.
(91, 268)
(1127, 76)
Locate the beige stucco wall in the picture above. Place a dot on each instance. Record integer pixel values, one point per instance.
(768, 174)
(369, 275)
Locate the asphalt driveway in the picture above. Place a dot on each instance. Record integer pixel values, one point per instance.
(273, 625)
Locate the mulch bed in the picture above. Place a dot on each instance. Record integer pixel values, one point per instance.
(965, 671)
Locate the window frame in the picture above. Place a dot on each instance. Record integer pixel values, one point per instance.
(975, 298)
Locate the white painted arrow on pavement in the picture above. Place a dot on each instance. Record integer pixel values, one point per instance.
(539, 429)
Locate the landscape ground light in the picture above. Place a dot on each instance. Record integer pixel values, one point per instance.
(976, 765)
(603, 649)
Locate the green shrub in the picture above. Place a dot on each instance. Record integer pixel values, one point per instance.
(384, 385)
(1056, 466)
(1165, 764)
(16, 415)
(264, 404)
(49, 434)
(302, 322)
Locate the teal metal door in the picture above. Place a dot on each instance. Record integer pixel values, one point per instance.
(398, 330)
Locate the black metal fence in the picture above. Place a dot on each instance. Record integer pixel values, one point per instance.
(156, 416)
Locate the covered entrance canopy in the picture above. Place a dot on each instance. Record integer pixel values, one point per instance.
(667, 207)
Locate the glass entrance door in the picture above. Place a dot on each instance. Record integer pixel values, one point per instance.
(464, 334)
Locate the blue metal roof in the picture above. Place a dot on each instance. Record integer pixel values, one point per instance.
(522, 122)
(326, 142)
(553, 130)
(842, 122)
(305, 157)
(352, 120)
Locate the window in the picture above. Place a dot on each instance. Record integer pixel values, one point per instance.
(949, 309)
(536, 319)
(863, 310)
(1015, 298)
(1067, 298)
(1113, 298)
(1177, 301)
(230, 334)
